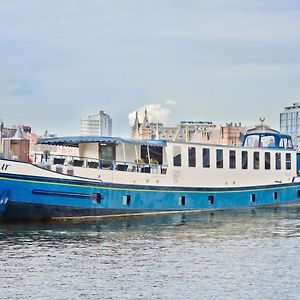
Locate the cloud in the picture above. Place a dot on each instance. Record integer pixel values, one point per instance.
(170, 102)
(156, 113)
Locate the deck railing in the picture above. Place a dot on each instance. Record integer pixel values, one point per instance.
(47, 160)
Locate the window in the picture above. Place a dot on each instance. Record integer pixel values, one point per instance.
(206, 158)
(177, 156)
(288, 161)
(267, 141)
(287, 143)
(126, 200)
(278, 161)
(267, 161)
(253, 198)
(282, 143)
(290, 143)
(192, 156)
(255, 160)
(232, 159)
(96, 197)
(275, 195)
(252, 141)
(211, 199)
(219, 158)
(181, 200)
(244, 160)
(156, 154)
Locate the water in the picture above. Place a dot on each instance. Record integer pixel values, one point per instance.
(225, 255)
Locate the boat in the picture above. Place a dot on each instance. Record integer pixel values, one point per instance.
(113, 176)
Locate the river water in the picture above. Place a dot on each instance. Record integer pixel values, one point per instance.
(253, 254)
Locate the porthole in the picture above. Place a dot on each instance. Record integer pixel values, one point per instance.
(181, 200)
(126, 200)
(96, 198)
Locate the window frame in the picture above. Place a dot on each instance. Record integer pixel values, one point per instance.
(177, 159)
(219, 158)
(206, 159)
(267, 161)
(246, 161)
(192, 157)
(232, 159)
(256, 160)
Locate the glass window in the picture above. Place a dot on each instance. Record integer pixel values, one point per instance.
(267, 161)
(288, 161)
(206, 158)
(256, 160)
(192, 156)
(278, 161)
(267, 141)
(244, 160)
(232, 159)
(219, 156)
(177, 156)
(290, 143)
(252, 141)
(282, 143)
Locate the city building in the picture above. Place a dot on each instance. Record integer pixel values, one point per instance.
(205, 132)
(290, 122)
(9, 132)
(99, 124)
(230, 135)
(184, 131)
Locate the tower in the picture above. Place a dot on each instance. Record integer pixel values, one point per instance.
(146, 120)
(136, 127)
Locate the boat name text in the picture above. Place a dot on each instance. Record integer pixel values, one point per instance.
(4, 167)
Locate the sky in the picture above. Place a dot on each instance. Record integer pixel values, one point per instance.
(218, 60)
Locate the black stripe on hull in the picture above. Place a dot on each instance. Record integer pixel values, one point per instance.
(16, 211)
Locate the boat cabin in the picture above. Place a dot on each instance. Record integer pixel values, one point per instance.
(265, 158)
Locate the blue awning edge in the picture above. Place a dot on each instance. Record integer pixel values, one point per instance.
(73, 141)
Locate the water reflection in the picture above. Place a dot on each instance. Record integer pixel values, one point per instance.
(252, 223)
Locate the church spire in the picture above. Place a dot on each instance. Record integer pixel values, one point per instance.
(146, 120)
(136, 127)
(136, 120)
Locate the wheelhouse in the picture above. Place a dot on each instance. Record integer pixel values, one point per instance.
(268, 140)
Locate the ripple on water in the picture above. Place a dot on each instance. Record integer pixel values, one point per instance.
(224, 255)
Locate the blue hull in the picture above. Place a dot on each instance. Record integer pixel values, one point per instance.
(37, 198)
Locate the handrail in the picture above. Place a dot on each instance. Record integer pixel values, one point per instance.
(88, 162)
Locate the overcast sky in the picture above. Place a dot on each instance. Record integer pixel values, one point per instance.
(218, 60)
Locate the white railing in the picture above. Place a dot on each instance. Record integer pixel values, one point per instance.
(46, 160)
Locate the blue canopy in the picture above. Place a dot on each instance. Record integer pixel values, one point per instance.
(73, 141)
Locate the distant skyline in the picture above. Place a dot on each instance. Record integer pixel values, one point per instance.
(218, 60)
